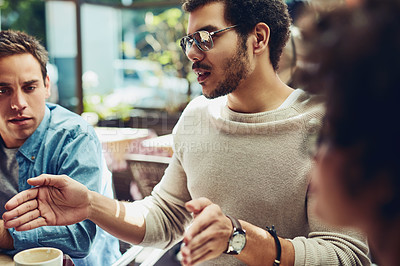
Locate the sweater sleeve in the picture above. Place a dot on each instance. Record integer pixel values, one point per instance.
(164, 211)
(329, 246)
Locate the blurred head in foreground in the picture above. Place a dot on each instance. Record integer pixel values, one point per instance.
(353, 58)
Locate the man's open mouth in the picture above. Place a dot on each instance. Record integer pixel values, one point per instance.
(202, 75)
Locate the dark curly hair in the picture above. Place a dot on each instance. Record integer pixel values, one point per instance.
(247, 13)
(17, 42)
(353, 58)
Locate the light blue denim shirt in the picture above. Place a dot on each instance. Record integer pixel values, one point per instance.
(65, 144)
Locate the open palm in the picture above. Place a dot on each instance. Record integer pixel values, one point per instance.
(56, 200)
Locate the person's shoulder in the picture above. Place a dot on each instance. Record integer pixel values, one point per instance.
(307, 101)
(60, 112)
(62, 119)
(197, 102)
(202, 104)
(197, 111)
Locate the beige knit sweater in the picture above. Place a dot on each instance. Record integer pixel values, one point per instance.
(254, 166)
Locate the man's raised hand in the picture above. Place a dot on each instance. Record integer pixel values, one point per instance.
(55, 200)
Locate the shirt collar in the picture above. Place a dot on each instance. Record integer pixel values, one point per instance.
(31, 146)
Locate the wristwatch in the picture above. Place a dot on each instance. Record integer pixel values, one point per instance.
(238, 238)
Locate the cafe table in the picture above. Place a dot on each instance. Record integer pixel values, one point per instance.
(116, 142)
(159, 146)
(6, 260)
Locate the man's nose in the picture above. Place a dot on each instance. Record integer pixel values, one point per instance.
(194, 53)
(18, 101)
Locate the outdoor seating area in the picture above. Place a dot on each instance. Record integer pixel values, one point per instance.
(191, 132)
(136, 157)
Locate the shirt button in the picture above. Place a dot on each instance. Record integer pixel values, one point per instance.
(33, 158)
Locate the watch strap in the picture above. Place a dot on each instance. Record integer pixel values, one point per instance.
(237, 229)
(235, 223)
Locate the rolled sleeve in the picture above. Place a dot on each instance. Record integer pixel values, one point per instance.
(75, 240)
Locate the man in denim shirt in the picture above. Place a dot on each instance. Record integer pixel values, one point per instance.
(36, 138)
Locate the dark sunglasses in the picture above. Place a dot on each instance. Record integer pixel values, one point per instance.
(202, 39)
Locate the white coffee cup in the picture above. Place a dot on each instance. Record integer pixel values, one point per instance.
(39, 257)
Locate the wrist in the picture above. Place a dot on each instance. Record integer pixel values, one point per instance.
(278, 246)
(237, 241)
(6, 241)
(91, 208)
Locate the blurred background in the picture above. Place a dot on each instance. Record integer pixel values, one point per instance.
(117, 60)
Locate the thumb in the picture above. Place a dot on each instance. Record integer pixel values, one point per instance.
(48, 180)
(197, 205)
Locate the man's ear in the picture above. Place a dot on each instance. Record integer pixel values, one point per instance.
(47, 86)
(261, 35)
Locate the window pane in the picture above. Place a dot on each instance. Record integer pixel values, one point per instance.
(132, 59)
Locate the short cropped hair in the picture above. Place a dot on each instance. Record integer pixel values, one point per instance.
(17, 42)
(247, 13)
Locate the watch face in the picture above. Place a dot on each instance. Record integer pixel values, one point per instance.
(238, 241)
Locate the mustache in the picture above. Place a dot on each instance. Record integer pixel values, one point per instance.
(200, 65)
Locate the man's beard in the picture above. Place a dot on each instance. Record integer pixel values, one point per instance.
(236, 70)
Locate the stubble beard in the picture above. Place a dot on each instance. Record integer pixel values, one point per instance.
(236, 70)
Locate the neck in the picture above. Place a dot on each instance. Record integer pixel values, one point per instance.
(259, 93)
(11, 143)
(384, 240)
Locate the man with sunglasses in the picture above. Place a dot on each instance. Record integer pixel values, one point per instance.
(238, 154)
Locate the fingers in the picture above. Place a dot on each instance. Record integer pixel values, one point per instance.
(32, 208)
(197, 205)
(190, 259)
(24, 219)
(207, 245)
(208, 235)
(213, 238)
(209, 215)
(21, 209)
(20, 198)
(42, 180)
(38, 222)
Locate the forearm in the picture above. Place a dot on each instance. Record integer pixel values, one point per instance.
(326, 245)
(117, 218)
(6, 241)
(261, 249)
(330, 248)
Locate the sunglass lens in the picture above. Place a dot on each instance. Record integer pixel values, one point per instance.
(186, 44)
(203, 39)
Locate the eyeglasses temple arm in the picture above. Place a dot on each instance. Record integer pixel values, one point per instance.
(218, 31)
